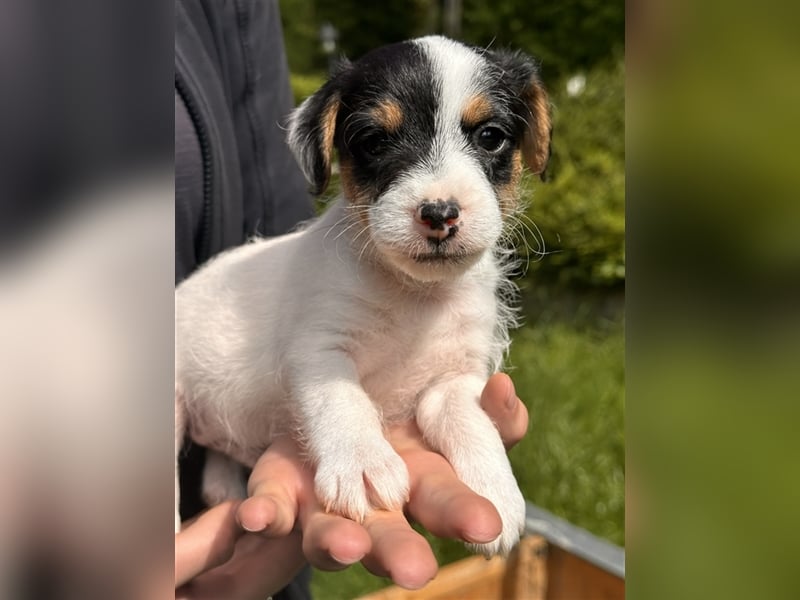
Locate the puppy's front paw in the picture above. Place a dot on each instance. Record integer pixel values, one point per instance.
(368, 474)
(503, 492)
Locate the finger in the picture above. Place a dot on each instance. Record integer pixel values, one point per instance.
(499, 400)
(444, 505)
(398, 552)
(331, 542)
(206, 542)
(259, 567)
(271, 508)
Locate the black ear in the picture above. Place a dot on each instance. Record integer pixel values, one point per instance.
(311, 129)
(521, 75)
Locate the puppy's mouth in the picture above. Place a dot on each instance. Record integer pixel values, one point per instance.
(442, 252)
(439, 258)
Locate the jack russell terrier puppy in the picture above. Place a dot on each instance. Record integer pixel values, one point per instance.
(394, 305)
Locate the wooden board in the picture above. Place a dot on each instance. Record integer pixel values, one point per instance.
(522, 575)
(572, 578)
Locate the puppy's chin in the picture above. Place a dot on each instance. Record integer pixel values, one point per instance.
(430, 266)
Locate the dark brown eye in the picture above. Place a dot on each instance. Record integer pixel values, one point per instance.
(490, 138)
(374, 145)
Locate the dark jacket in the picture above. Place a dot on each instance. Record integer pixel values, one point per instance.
(234, 175)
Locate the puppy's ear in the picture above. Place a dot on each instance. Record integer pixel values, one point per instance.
(311, 132)
(521, 74)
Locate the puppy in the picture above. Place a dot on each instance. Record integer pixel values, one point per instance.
(390, 306)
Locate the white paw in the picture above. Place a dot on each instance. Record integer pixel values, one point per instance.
(503, 492)
(366, 475)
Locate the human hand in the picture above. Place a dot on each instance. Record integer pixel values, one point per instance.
(282, 505)
(216, 558)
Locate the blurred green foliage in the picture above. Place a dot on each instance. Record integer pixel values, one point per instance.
(713, 356)
(572, 460)
(301, 36)
(361, 26)
(364, 26)
(565, 36)
(579, 213)
(303, 85)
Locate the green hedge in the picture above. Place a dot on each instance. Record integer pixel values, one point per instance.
(303, 85)
(579, 213)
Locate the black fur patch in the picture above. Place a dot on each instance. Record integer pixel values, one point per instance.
(504, 83)
(512, 73)
(402, 73)
(399, 72)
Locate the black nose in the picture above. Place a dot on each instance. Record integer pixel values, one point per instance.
(438, 214)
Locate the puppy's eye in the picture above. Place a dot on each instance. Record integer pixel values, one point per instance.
(490, 138)
(374, 145)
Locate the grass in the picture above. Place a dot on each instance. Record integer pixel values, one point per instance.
(570, 373)
(567, 364)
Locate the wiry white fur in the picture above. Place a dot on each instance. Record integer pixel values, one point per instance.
(334, 332)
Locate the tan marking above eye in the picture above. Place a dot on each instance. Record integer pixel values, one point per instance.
(389, 115)
(477, 110)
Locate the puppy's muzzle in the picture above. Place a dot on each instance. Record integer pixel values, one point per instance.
(438, 220)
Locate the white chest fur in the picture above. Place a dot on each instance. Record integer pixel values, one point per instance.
(417, 339)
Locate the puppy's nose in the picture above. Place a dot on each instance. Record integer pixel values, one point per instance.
(438, 220)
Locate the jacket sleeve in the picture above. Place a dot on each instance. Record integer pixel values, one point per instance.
(232, 97)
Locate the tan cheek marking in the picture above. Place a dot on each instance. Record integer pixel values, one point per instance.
(357, 198)
(389, 115)
(537, 139)
(508, 193)
(354, 193)
(477, 110)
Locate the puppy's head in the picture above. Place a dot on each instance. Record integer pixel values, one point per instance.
(432, 136)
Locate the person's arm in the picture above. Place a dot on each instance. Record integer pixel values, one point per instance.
(214, 552)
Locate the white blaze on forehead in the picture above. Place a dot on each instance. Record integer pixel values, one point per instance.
(450, 170)
(456, 69)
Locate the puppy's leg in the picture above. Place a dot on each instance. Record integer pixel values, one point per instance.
(452, 422)
(223, 479)
(356, 467)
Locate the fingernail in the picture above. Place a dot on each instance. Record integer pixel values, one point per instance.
(346, 561)
(483, 537)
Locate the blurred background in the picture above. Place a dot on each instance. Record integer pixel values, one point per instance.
(567, 360)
